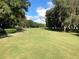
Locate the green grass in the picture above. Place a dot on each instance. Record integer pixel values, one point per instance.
(40, 44)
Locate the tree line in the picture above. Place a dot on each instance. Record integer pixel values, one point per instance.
(63, 16)
(32, 24)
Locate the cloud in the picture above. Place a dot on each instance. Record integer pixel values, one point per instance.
(41, 12)
(40, 18)
(37, 19)
(29, 17)
(50, 4)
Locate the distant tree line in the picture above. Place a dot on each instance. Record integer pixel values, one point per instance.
(32, 24)
(64, 16)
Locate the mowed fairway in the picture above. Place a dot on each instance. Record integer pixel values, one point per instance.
(40, 44)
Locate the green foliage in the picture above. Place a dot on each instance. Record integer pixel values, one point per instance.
(2, 33)
(65, 14)
(10, 30)
(19, 29)
(57, 16)
(12, 12)
(30, 23)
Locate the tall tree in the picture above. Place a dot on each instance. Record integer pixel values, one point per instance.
(64, 15)
(57, 15)
(12, 12)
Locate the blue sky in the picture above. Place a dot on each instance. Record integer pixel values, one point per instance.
(35, 4)
(38, 9)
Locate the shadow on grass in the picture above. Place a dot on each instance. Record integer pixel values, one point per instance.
(76, 34)
(56, 30)
(5, 35)
(1, 37)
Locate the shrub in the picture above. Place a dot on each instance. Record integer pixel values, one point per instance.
(19, 29)
(10, 30)
(2, 33)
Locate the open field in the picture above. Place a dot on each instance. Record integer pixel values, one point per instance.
(40, 44)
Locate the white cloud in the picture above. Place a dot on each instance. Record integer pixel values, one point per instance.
(39, 20)
(41, 12)
(36, 19)
(50, 4)
(29, 17)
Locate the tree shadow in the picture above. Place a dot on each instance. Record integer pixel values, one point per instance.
(4, 34)
(56, 30)
(76, 34)
(1, 37)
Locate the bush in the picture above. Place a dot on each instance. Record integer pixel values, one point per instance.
(10, 30)
(2, 33)
(19, 29)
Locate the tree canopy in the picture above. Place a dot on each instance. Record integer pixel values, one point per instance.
(65, 15)
(32, 24)
(12, 12)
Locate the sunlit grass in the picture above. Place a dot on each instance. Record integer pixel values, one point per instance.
(40, 44)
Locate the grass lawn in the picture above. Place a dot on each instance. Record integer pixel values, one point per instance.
(40, 44)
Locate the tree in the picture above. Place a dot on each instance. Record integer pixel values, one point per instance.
(12, 12)
(4, 13)
(57, 16)
(63, 15)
